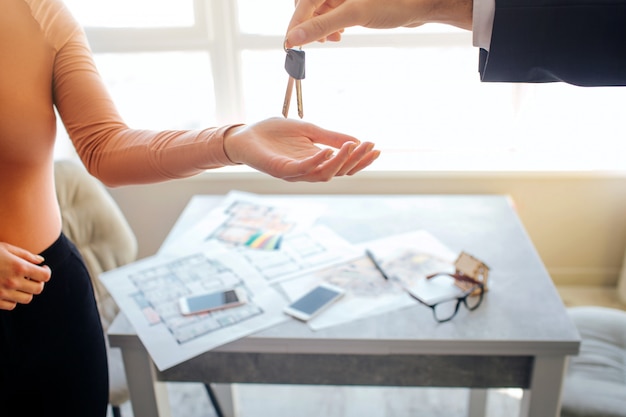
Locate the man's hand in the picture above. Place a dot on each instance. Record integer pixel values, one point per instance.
(321, 20)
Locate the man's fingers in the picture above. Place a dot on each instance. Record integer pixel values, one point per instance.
(304, 10)
(324, 26)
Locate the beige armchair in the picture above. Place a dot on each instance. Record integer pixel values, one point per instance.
(96, 225)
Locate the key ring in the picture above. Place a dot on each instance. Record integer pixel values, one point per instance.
(287, 49)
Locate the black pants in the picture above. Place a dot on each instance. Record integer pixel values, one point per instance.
(52, 353)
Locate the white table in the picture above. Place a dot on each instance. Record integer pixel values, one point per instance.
(520, 336)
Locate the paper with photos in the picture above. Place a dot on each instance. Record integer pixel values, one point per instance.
(240, 216)
(234, 224)
(410, 257)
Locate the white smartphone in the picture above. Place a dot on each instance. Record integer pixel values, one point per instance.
(219, 300)
(314, 302)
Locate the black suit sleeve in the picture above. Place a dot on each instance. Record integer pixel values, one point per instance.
(581, 42)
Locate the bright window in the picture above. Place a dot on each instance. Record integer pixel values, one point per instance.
(415, 92)
(133, 13)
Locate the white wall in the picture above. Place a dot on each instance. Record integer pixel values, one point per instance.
(577, 221)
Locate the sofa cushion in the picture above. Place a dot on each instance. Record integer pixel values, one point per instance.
(595, 382)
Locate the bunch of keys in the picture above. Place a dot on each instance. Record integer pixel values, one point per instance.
(294, 64)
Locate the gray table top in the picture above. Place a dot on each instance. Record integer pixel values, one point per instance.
(521, 314)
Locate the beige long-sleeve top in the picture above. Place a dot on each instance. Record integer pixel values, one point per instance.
(45, 62)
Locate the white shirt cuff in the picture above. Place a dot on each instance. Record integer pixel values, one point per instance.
(482, 26)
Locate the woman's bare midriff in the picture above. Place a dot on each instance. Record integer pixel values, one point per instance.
(29, 212)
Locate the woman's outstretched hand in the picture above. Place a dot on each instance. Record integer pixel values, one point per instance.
(288, 149)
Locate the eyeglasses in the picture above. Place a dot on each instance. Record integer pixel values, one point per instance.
(473, 292)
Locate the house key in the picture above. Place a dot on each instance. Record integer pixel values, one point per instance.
(294, 65)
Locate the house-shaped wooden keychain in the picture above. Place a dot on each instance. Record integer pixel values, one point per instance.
(469, 266)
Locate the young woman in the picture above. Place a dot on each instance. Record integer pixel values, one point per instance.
(52, 354)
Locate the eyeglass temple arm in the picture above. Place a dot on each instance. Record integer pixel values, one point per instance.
(459, 276)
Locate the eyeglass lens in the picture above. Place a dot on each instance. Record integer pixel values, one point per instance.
(445, 310)
(473, 301)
